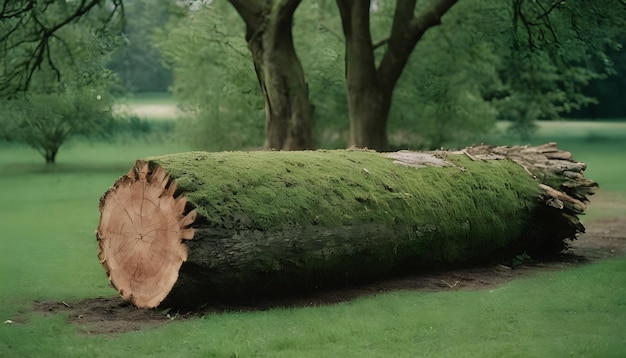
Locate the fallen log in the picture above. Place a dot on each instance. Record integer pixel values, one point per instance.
(194, 227)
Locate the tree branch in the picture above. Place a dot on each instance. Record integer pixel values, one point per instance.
(7, 13)
(547, 12)
(253, 14)
(380, 43)
(30, 37)
(541, 24)
(360, 61)
(406, 33)
(281, 15)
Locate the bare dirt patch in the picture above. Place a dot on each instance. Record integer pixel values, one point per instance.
(605, 238)
(103, 315)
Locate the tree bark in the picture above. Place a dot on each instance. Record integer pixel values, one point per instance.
(288, 111)
(370, 87)
(368, 102)
(195, 227)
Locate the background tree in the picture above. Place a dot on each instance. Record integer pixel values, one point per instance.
(216, 82)
(46, 121)
(609, 91)
(554, 49)
(320, 47)
(64, 96)
(370, 85)
(269, 36)
(279, 74)
(138, 63)
(439, 101)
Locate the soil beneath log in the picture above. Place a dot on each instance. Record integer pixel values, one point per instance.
(605, 238)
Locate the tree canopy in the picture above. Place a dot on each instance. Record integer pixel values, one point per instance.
(31, 35)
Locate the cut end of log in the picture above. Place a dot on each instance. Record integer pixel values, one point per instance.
(141, 234)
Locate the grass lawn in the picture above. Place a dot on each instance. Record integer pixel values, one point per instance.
(47, 221)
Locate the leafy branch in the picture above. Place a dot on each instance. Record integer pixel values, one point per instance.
(26, 36)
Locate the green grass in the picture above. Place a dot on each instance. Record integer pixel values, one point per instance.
(48, 251)
(546, 316)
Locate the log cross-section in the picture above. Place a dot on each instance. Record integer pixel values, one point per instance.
(141, 234)
(188, 228)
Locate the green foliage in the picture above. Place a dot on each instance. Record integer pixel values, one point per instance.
(68, 96)
(319, 43)
(40, 38)
(137, 62)
(539, 89)
(47, 121)
(478, 66)
(549, 56)
(439, 101)
(608, 91)
(215, 79)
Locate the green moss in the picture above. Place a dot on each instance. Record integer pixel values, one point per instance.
(457, 211)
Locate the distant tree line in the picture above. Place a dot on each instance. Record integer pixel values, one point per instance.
(140, 65)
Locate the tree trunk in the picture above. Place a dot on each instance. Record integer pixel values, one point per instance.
(50, 157)
(49, 154)
(370, 88)
(195, 227)
(368, 102)
(369, 109)
(288, 111)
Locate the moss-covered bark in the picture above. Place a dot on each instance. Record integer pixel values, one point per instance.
(277, 222)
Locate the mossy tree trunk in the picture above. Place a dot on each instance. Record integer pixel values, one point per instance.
(194, 227)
